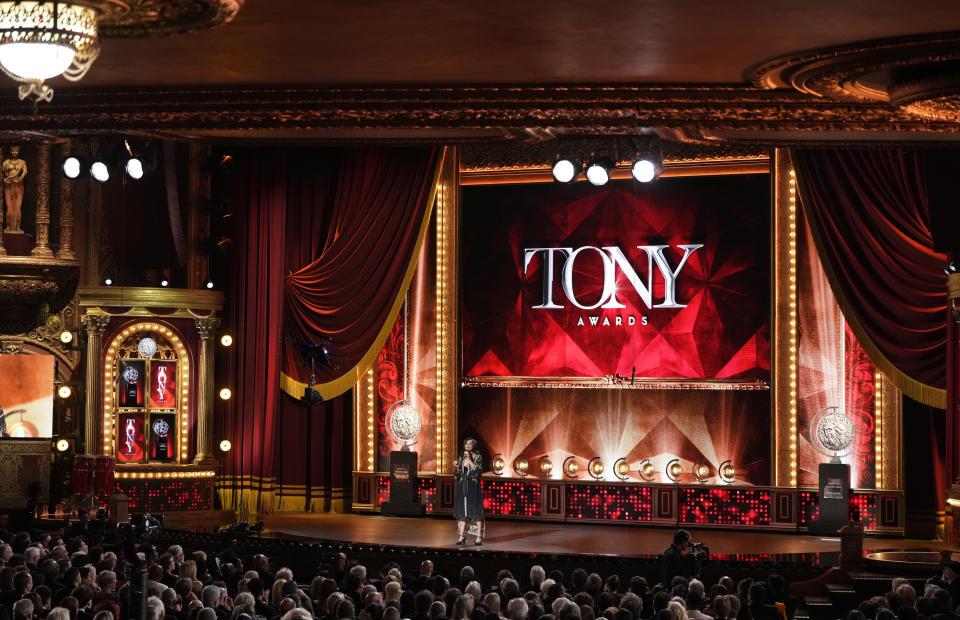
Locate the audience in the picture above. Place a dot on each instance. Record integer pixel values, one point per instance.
(51, 578)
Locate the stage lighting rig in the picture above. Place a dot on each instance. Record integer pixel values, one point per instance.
(570, 467)
(727, 472)
(701, 473)
(225, 445)
(73, 338)
(647, 470)
(314, 354)
(621, 469)
(497, 464)
(72, 167)
(673, 470)
(100, 171)
(598, 170)
(565, 170)
(595, 468)
(647, 161)
(545, 466)
(521, 466)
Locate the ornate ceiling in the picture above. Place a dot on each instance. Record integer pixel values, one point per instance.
(735, 72)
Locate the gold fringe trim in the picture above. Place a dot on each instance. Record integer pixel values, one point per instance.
(347, 380)
(921, 392)
(256, 496)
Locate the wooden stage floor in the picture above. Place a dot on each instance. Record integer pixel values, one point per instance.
(560, 538)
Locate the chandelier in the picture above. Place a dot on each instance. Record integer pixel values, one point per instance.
(41, 40)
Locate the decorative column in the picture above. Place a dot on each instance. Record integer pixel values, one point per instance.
(41, 247)
(95, 324)
(91, 259)
(66, 220)
(207, 328)
(3, 250)
(445, 214)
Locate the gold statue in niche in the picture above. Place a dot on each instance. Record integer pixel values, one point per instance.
(14, 172)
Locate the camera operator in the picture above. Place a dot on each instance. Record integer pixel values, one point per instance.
(677, 561)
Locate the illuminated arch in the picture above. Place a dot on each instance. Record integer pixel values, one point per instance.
(110, 379)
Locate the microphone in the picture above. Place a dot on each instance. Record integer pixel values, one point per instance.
(633, 376)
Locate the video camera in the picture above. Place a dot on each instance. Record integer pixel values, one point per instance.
(141, 526)
(241, 531)
(699, 551)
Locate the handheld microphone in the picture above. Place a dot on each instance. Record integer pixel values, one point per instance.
(633, 375)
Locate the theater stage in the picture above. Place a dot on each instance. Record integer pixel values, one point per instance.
(562, 538)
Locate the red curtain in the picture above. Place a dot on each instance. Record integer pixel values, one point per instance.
(349, 293)
(869, 214)
(309, 222)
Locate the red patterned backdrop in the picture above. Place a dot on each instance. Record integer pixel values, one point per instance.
(722, 332)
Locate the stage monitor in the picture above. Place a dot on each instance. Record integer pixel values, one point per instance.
(26, 395)
(667, 280)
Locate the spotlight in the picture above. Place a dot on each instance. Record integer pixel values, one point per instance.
(701, 473)
(225, 445)
(545, 465)
(65, 392)
(226, 340)
(208, 284)
(134, 168)
(108, 281)
(164, 283)
(63, 445)
(727, 472)
(598, 171)
(565, 170)
(621, 469)
(225, 394)
(595, 468)
(646, 167)
(952, 267)
(71, 167)
(66, 336)
(497, 464)
(521, 466)
(647, 470)
(99, 171)
(570, 467)
(673, 470)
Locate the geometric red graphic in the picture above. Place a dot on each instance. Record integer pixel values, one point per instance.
(722, 332)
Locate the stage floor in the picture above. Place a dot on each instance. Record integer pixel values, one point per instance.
(560, 538)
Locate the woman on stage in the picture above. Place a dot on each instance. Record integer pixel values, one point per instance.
(468, 500)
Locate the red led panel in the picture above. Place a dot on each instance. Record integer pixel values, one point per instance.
(511, 497)
(616, 503)
(167, 494)
(863, 508)
(725, 506)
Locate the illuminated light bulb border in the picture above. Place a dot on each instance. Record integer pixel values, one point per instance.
(878, 428)
(109, 406)
(792, 309)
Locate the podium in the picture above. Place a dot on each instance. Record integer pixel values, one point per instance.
(834, 499)
(403, 477)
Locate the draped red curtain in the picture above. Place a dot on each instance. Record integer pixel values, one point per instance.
(869, 214)
(323, 242)
(353, 287)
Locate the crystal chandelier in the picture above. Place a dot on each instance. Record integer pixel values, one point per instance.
(41, 40)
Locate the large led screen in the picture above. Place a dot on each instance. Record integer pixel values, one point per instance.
(26, 395)
(666, 280)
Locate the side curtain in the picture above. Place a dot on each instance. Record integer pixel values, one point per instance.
(348, 294)
(254, 313)
(870, 218)
(324, 245)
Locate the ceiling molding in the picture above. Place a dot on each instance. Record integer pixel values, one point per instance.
(602, 110)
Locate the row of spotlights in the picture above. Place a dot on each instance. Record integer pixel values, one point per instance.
(99, 170)
(108, 281)
(67, 337)
(645, 168)
(621, 468)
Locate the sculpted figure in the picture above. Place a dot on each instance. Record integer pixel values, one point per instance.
(14, 171)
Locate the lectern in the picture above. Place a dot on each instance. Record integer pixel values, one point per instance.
(403, 477)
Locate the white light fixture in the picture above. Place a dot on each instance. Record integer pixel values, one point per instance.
(99, 171)
(645, 170)
(598, 171)
(71, 167)
(209, 284)
(42, 40)
(108, 281)
(164, 283)
(134, 168)
(565, 170)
